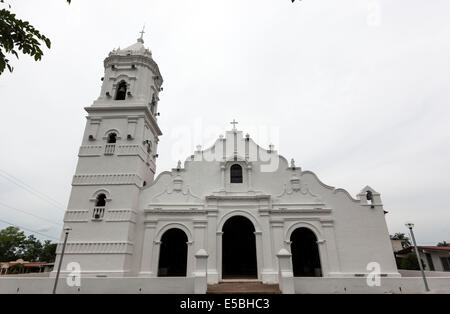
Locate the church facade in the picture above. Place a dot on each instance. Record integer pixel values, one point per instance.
(237, 203)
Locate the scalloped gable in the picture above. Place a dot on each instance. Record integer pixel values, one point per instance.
(224, 150)
(329, 187)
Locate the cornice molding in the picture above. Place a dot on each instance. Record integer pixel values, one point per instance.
(107, 179)
(112, 106)
(136, 59)
(301, 211)
(100, 247)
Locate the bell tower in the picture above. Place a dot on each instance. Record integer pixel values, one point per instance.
(117, 159)
(131, 86)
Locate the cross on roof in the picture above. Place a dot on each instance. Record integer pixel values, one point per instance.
(141, 39)
(142, 32)
(234, 124)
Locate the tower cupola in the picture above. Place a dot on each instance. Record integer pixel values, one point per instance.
(131, 77)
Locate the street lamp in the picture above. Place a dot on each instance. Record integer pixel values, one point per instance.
(66, 230)
(410, 227)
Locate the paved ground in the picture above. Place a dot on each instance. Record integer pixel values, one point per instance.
(243, 288)
(46, 274)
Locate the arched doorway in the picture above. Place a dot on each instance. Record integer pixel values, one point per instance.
(239, 249)
(305, 253)
(173, 254)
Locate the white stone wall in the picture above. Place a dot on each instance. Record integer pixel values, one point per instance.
(350, 233)
(98, 285)
(436, 258)
(23, 285)
(359, 285)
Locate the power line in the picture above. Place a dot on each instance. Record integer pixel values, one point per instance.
(32, 190)
(30, 214)
(29, 230)
(27, 186)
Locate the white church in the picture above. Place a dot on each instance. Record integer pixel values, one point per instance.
(233, 211)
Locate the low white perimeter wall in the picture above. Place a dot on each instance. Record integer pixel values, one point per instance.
(174, 285)
(167, 285)
(359, 285)
(428, 273)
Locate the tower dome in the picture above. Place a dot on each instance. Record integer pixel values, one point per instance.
(132, 69)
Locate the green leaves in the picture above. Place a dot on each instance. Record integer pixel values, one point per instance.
(14, 245)
(18, 35)
(11, 239)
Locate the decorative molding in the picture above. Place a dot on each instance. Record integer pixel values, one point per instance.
(276, 223)
(109, 131)
(101, 191)
(177, 194)
(301, 211)
(120, 215)
(200, 223)
(327, 223)
(90, 151)
(298, 192)
(134, 150)
(107, 179)
(118, 150)
(134, 107)
(111, 215)
(167, 211)
(232, 196)
(76, 215)
(105, 247)
(132, 58)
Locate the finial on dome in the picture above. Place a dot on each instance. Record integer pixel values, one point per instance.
(141, 39)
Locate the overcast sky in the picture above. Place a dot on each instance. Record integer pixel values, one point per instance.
(356, 91)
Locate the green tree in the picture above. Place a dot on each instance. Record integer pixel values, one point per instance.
(410, 262)
(401, 236)
(17, 36)
(11, 244)
(48, 253)
(15, 245)
(443, 244)
(32, 249)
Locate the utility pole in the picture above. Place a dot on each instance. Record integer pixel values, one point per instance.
(410, 227)
(67, 229)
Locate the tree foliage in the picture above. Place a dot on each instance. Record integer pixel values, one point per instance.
(15, 245)
(401, 236)
(48, 252)
(410, 262)
(17, 36)
(11, 239)
(443, 244)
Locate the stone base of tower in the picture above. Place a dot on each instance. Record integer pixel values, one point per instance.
(94, 265)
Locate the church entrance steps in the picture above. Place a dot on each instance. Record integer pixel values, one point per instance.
(243, 287)
(240, 280)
